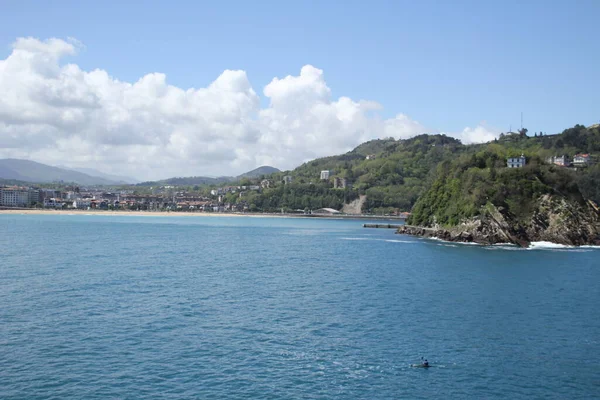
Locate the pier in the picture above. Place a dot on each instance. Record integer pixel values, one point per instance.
(383, 226)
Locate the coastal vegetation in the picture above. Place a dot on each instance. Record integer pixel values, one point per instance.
(462, 187)
(475, 197)
(391, 173)
(452, 180)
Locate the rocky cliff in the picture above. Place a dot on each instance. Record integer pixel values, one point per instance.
(554, 219)
(355, 207)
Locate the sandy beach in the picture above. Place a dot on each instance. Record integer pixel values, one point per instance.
(37, 211)
(133, 213)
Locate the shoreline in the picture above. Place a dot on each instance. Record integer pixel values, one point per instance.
(467, 237)
(32, 211)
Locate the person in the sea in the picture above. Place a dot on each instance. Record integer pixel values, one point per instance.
(425, 363)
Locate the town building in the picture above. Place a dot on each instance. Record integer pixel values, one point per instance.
(516, 162)
(82, 204)
(265, 183)
(15, 196)
(370, 157)
(324, 175)
(339, 183)
(35, 196)
(72, 195)
(287, 179)
(582, 160)
(563, 161)
(50, 193)
(52, 203)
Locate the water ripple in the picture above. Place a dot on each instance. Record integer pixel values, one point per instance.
(265, 308)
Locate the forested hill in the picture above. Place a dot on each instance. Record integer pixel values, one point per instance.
(572, 141)
(204, 180)
(471, 181)
(477, 198)
(393, 174)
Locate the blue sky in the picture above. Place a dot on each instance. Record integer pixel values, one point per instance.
(447, 65)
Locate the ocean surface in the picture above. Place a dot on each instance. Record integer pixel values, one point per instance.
(96, 307)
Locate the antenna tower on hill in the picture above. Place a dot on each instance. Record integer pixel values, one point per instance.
(521, 120)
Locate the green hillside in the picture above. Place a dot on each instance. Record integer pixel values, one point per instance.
(463, 186)
(398, 172)
(255, 173)
(186, 181)
(476, 198)
(394, 174)
(203, 180)
(392, 180)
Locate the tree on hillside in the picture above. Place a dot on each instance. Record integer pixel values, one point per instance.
(523, 132)
(589, 184)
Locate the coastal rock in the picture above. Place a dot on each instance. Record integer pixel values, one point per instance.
(561, 221)
(554, 219)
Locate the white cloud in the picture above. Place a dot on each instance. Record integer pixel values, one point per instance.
(59, 114)
(480, 134)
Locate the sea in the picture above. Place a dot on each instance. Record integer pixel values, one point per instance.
(129, 307)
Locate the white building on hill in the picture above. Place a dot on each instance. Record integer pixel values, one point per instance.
(516, 162)
(581, 160)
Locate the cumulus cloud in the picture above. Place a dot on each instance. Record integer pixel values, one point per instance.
(57, 113)
(480, 134)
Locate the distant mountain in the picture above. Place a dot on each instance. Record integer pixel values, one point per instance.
(31, 171)
(255, 173)
(96, 173)
(204, 180)
(6, 172)
(188, 181)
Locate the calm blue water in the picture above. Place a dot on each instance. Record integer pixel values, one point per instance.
(179, 307)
